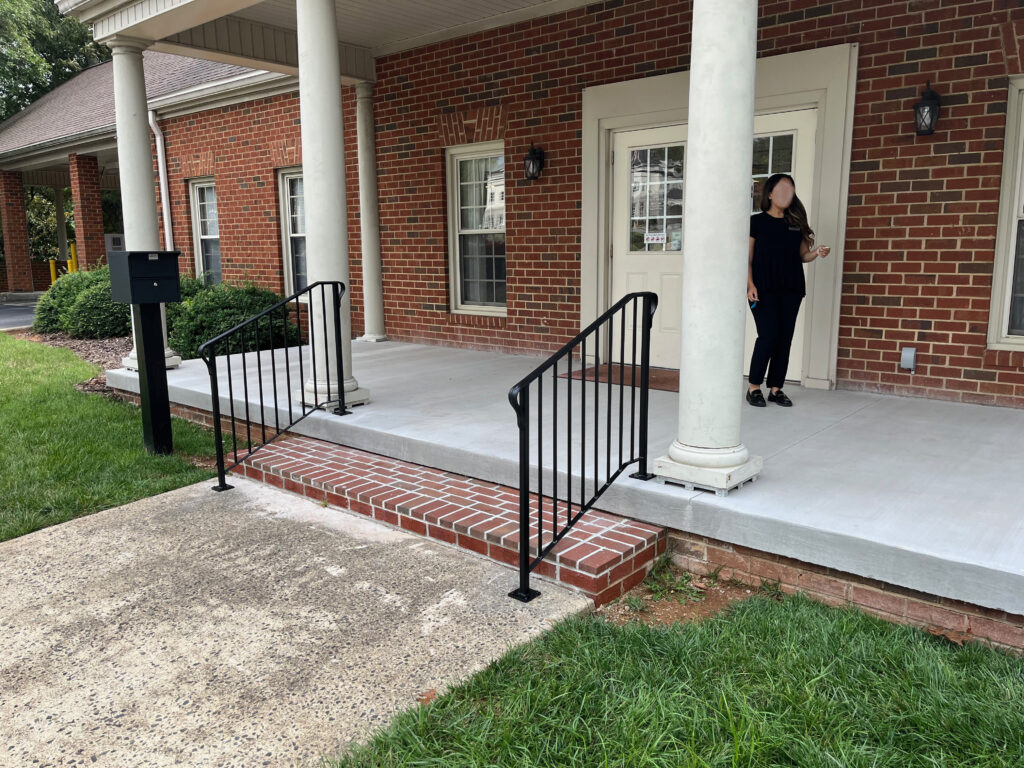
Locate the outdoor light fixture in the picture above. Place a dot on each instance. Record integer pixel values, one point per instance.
(926, 111)
(534, 162)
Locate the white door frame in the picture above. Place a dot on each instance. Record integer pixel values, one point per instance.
(823, 78)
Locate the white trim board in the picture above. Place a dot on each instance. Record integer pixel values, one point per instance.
(1011, 196)
(825, 79)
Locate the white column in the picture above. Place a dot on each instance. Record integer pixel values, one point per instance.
(323, 181)
(369, 221)
(707, 452)
(62, 231)
(135, 165)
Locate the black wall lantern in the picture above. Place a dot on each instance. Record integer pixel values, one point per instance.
(926, 111)
(534, 162)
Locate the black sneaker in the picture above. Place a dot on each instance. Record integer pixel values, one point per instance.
(780, 398)
(756, 398)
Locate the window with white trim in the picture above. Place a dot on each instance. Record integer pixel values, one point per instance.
(293, 231)
(1006, 321)
(476, 215)
(206, 230)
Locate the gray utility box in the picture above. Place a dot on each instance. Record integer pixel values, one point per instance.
(144, 277)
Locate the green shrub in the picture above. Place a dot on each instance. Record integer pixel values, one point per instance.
(213, 310)
(190, 287)
(95, 316)
(54, 306)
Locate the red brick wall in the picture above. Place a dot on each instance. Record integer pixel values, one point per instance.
(922, 216)
(85, 193)
(923, 210)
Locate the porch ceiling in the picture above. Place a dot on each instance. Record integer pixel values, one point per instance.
(262, 34)
(386, 26)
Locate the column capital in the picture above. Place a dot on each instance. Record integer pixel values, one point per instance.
(123, 44)
(364, 89)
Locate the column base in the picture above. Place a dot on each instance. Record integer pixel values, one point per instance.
(372, 337)
(132, 363)
(356, 397)
(721, 480)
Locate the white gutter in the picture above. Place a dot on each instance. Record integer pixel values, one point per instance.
(161, 163)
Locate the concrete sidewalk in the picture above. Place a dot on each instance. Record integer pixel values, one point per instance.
(236, 629)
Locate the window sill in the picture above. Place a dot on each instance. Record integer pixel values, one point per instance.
(479, 319)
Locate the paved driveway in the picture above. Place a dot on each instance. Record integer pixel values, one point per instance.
(246, 628)
(15, 315)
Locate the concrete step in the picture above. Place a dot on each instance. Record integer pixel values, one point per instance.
(603, 555)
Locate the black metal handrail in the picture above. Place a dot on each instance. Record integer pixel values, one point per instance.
(290, 324)
(640, 307)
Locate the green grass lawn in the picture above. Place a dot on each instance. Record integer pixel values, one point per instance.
(64, 453)
(765, 683)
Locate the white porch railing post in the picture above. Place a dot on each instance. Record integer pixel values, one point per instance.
(323, 180)
(135, 166)
(707, 451)
(369, 223)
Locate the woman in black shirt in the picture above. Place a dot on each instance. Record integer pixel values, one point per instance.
(780, 244)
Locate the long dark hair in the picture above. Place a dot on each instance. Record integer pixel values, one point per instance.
(796, 214)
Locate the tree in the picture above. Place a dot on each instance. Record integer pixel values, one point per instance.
(39, 50)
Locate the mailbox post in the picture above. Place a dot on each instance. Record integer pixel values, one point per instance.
(147, 279)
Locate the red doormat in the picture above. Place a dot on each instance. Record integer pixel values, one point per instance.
(665, 379)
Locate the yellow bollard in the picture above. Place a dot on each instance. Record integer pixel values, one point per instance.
(73, 264)
(53, 271)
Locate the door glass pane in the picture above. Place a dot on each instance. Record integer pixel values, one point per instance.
(656, 191)
(782, 153)
(772, 154)
(1017, 288)
(762, 148)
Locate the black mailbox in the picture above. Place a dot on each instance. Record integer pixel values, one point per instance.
(144, 277)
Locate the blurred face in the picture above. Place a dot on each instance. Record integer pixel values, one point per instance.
(782, 194)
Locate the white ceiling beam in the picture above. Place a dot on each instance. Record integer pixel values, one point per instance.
(232, 40)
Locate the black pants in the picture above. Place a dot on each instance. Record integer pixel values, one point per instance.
(775, 316)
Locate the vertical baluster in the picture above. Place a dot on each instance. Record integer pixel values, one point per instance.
(337, 291)
(327, 349)
(554, 450)
(540, 464)
(312, 348)
(245, 391)
(568, 441)
(632, 392)
(597, 411)
(608, 405)
(259, 381)
(583, 424)
(218, 440)
(231, 404)
(273, 372)
(650, 304)
(288, 362)
(302, 376)
(524, 593)
(622, 377)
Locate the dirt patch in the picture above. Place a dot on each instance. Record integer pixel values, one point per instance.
(669, 595)
(106, 353)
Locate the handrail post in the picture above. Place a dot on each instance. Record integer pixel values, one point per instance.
(218, 439)
(523, 593)
(650, 305)
(340, 410)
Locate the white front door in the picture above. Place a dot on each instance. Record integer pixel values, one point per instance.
(649, 167)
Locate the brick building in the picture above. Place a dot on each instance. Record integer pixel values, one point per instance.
(423, 207)
(917, 262)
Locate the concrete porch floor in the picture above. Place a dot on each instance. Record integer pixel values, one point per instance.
(918, 493)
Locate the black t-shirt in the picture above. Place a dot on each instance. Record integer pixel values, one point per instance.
(777, 265)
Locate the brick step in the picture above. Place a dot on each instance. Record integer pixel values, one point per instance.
(602, 556)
